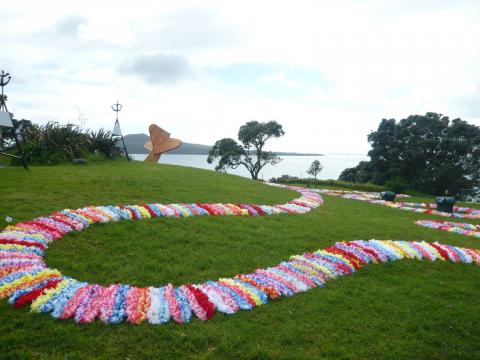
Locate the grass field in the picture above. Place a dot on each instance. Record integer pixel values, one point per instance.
(397, 310)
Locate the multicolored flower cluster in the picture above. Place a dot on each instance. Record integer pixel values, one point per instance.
(49, 292)
(424, 208)
(356, 195)
(26, 280)
(458, 228)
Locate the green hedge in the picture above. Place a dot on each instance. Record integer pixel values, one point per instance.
(285, 179)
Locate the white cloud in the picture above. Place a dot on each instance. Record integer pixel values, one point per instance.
(376, 59)
(159, 68)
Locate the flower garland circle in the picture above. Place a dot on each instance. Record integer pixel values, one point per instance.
(26, 279)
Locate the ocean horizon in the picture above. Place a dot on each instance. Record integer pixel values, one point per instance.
(333, 164)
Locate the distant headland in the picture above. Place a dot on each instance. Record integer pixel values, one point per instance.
(135, 142)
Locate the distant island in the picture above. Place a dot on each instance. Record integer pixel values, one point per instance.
(135, 142)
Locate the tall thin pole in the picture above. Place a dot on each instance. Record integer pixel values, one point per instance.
(4, 80)
(3, 83)
(117, 107)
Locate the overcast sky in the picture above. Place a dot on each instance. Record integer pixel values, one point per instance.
(328, 71)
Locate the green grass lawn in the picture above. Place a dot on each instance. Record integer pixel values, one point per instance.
(407, 309)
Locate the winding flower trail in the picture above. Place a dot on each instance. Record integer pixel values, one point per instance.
(457, 228)
(424, 208)
(26, 280)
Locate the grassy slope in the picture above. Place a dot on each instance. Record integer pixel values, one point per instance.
(399, 310)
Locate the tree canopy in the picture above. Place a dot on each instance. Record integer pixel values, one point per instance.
(315, 168)
(431, 152)
(249, 152)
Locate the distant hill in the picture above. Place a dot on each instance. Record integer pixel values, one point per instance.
(135, 142)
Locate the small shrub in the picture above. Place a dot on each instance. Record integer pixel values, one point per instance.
(285, 179)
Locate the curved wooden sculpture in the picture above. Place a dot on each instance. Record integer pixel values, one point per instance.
(159, 143)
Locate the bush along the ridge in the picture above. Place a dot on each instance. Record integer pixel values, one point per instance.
(55, 143)
(287, 179)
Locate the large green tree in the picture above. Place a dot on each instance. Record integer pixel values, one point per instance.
(249, 152)
(433, 153)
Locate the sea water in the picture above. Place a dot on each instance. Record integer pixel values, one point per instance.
(333, 164)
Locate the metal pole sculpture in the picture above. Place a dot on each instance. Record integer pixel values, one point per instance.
(6, 120)
(116, 129)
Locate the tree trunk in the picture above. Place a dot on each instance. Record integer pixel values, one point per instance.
(254, 174)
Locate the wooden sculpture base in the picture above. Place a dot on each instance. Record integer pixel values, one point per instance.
(153, 157)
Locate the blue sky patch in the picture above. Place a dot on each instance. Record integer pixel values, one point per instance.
(270, 80)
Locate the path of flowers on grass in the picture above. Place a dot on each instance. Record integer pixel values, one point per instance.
(424, 208)
(26, 279)
(458, 228)
(356, 195)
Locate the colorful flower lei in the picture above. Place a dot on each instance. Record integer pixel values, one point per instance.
(49, 292)
(458, 228)
(356, 195)
(424, 208)
(26, 279)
